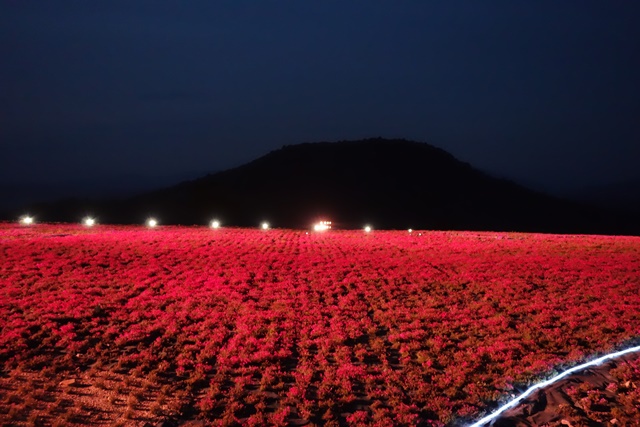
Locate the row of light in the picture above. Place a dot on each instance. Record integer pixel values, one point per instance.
(152, 223)
(322, 226)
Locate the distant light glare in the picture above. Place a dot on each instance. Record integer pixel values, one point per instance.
(410, 230)
(322, 226)
(26, 220)
(215, 224)
(151, 222)
(265, 225)
(89, 222)
(367, 229)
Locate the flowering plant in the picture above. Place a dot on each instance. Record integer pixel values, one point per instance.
(339, 327)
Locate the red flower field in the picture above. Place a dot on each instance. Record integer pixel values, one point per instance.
(129, 325)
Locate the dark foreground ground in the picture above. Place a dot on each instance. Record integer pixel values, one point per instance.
(607, 395)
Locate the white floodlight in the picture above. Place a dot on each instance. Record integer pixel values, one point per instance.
(367, 229)
(322, 226)
(265, 225)
(215, 224)
(89, 222)
(26, 220)
(410, 230)
(152, 222)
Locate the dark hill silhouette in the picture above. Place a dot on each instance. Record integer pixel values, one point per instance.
(623, 195)
(386, 183)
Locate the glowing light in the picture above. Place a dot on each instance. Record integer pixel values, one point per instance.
(26, 220)
(265, 225)
(410, 230)
(543, 384)
(151, 222)
(322, 226)
(89, 222)
(367, 229)
(215, 224)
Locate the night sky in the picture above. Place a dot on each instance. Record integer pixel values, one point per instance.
(108, 95)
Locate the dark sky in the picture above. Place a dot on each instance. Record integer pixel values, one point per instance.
(101, 94)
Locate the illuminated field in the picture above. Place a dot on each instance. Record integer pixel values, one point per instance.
(274, 327)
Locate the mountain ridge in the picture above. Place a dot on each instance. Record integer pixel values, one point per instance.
(389, 183)
(621, 195)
